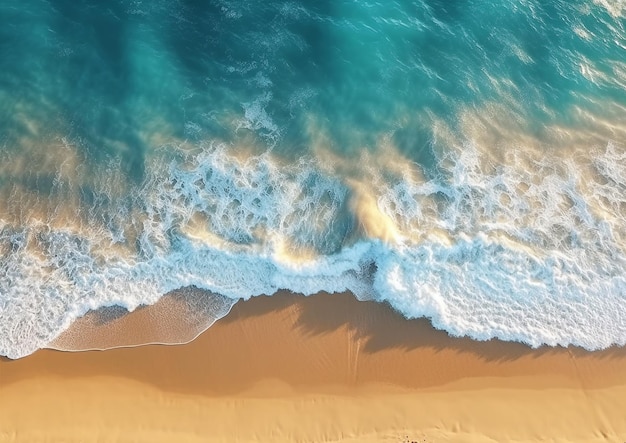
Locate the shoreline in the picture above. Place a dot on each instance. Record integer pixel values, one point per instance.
(179, 309)
(177, 318)
(318, 368)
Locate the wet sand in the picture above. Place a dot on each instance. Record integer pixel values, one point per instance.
(327, 368)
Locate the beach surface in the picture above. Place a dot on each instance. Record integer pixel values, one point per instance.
(324, 368)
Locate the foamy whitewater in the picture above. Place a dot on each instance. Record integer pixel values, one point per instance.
(462, 161)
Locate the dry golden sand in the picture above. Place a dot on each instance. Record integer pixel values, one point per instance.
(324, 368)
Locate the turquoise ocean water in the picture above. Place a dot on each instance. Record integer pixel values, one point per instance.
(462, 160)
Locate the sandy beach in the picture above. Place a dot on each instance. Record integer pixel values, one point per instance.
(325, 368)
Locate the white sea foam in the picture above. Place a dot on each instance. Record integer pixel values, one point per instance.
(256, 117)
(533, 255)
(614, 7)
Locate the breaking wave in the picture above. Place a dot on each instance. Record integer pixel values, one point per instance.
(535, 255)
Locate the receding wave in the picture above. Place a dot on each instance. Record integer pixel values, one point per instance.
(176, 318)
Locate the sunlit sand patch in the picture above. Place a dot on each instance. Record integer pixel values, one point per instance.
(368, 177)
(291, 255)
(374, 222)
(507, 179)
(197, 228)
(520, 174)
(51, 173)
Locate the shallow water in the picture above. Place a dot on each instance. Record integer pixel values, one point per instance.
(464, 161)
